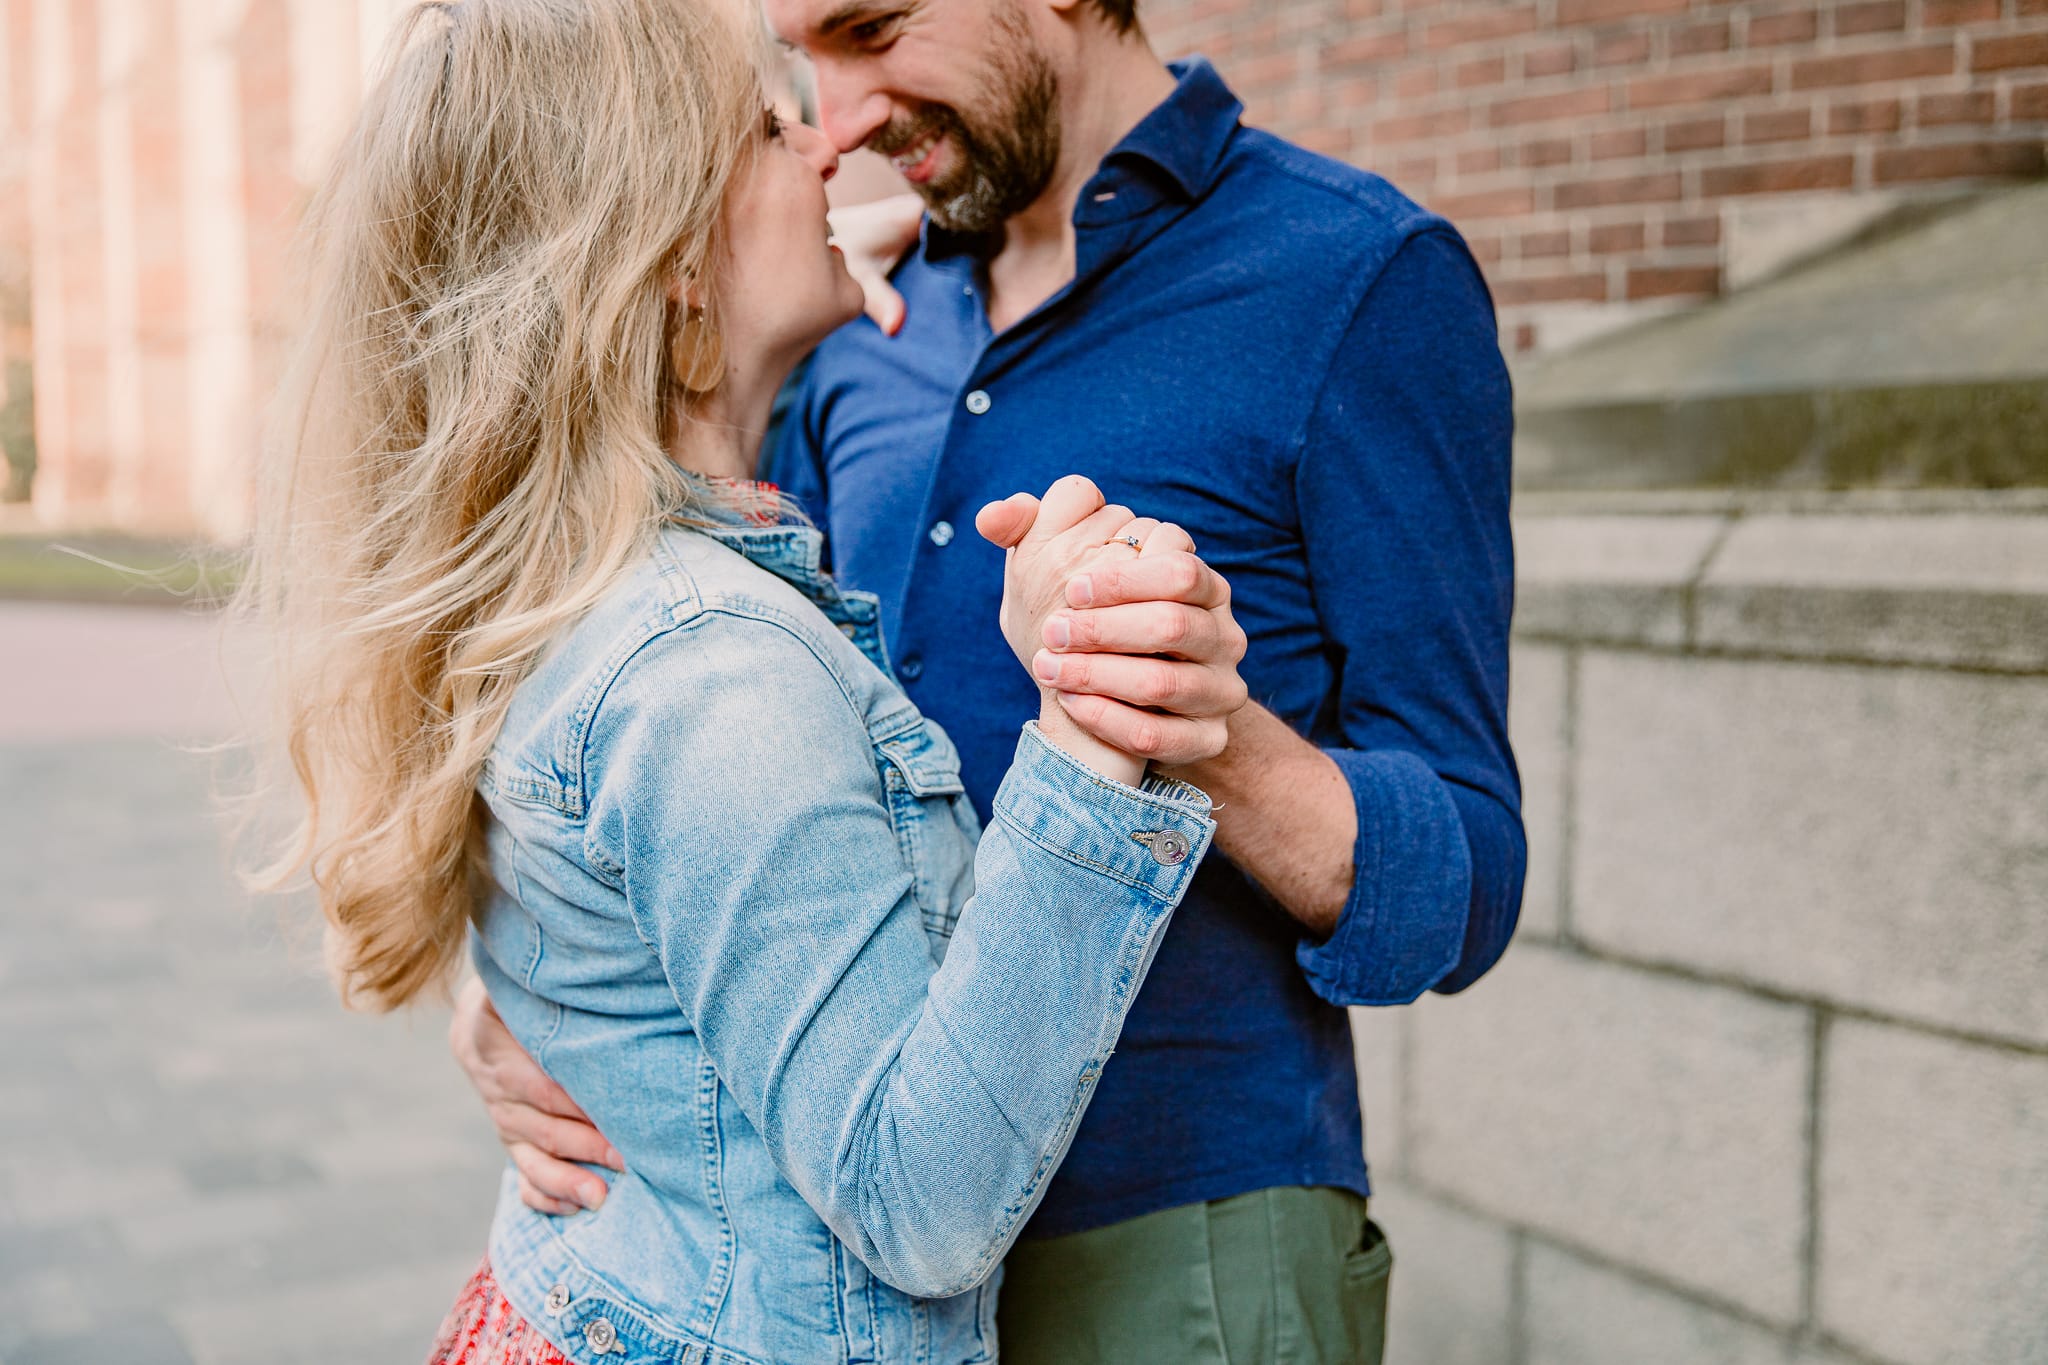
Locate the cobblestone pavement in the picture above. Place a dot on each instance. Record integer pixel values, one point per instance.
(203, 1159)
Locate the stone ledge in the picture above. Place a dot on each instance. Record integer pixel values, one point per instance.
(1951, 582)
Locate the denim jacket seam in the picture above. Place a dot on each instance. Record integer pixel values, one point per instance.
(524, 788)
(651, 1318)
(1157, 800)
(574, 751)
(711, 1304)
(1151, 892)
(675, 605)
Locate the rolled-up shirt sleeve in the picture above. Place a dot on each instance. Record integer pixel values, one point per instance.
(1403, 484)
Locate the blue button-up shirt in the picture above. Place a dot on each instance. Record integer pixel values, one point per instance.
(1299, 365)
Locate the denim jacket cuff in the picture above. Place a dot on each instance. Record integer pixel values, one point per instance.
(1150, 837)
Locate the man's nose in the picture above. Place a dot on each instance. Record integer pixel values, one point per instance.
(849, 109)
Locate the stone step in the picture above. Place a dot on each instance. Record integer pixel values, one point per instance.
(1916, 356)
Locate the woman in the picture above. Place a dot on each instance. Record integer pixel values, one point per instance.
(555, 669)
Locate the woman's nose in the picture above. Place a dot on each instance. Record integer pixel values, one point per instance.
(815, 148)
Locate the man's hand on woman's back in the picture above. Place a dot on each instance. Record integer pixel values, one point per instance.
(544, 1130)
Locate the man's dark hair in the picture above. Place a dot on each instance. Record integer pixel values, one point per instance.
(1122, 14)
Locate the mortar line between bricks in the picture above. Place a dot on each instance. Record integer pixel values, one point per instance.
(1522, 1236)
(1518, 1296)
(1816, 1083)
(1861, 1014)
(1735, 654)
(1568, 819)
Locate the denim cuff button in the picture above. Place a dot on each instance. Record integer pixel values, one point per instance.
(1169, 846)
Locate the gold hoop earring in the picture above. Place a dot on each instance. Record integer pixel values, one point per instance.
(697, 354)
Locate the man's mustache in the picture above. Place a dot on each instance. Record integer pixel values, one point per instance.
(894, 136)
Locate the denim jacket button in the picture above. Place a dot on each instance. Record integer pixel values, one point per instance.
(978, 402)
(602, 1336)
(557, 1300)
(1169, 847)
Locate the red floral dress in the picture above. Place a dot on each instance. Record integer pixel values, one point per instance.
(484, 1329)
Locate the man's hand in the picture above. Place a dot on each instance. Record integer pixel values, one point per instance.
(873, 237)
(1143, 651)
(544, 1130)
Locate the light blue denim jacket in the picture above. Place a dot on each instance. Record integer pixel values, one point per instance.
(728, 857)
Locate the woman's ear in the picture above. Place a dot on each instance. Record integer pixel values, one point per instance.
(686, 293)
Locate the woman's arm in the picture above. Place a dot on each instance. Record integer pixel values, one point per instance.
(920, 1114)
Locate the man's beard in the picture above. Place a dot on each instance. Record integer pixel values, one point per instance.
(1003, 152)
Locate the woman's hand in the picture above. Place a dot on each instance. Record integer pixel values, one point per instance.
(873, 237)
(1133, 645)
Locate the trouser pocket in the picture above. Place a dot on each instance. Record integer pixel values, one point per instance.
(1367, 1268)
(1367, 1271)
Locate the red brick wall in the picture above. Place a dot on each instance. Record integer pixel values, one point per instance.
(1592, 150)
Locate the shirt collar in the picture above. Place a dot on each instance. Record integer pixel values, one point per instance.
(1186, 134)
(1183, 137)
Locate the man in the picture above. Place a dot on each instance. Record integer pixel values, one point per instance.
(1297, 364)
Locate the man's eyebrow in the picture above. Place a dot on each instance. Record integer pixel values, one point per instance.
(849, 14)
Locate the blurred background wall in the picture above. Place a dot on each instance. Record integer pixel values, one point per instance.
(1610, 160)
(1765, 1077)
(156, 151)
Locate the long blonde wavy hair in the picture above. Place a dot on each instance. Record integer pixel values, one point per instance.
(470, 447)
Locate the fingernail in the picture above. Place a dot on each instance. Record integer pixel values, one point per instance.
(592, 1194)
(613, 1159)
(1045, 667)
(1081, 591)
(1057, 632)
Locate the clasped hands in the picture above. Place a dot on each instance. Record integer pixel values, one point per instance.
(1127, 632)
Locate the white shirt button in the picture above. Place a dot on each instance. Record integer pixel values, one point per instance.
(977, 402)
(942, 533)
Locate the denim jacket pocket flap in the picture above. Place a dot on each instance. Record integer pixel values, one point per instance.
(929, 766)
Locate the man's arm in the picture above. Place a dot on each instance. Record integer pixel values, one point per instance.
(1288, 816)
(1400, 849)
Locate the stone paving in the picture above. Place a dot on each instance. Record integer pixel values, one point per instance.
(203, 1159)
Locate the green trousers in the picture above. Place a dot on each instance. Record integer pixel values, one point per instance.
(1274, 1277)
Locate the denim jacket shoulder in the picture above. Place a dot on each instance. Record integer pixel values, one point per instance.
(728, 582)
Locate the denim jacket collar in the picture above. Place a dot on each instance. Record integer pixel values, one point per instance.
(794, 552)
